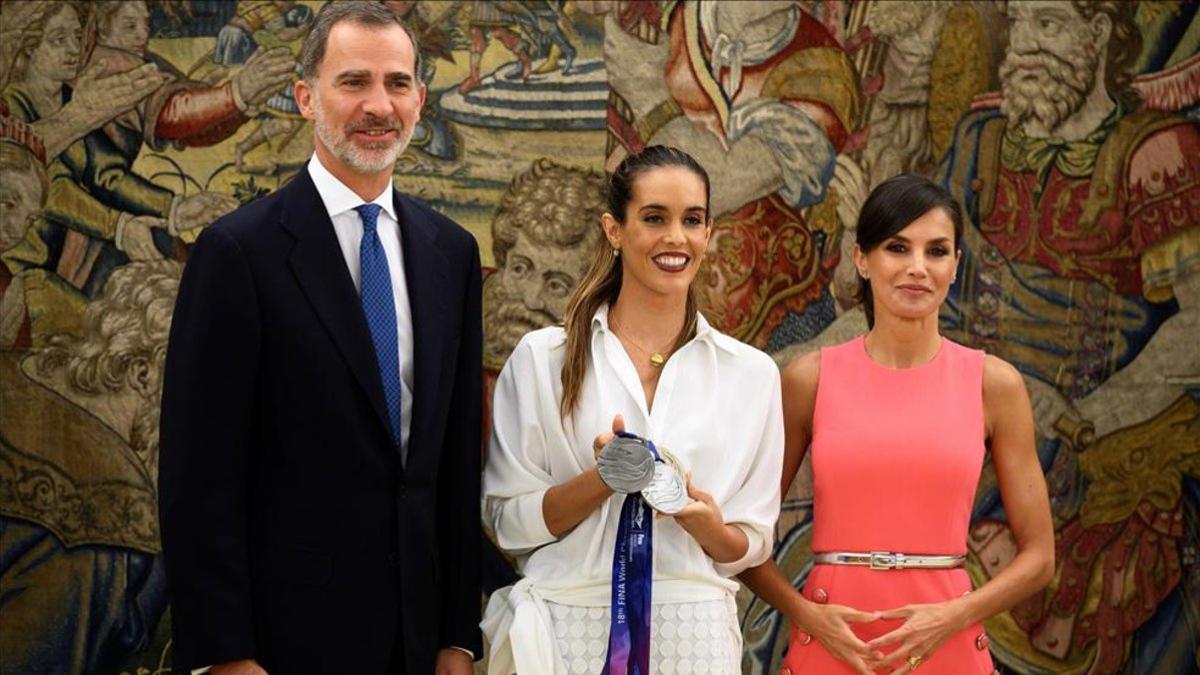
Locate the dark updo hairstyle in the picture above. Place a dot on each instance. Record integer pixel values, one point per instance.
(892, 206)
(602, 283)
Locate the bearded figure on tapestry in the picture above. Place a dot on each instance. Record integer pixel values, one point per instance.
(1082, 268)
(544, 235)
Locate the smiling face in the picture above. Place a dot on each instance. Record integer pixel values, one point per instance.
(665, 231)
(365, 100)
(911, 271)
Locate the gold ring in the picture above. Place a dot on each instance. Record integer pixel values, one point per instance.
(914, 661)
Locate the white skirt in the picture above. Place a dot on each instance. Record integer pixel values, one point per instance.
(686, 638)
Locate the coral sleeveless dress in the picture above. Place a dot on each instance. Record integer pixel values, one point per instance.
(896, 460)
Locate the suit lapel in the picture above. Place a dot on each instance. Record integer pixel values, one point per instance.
(425, 272)
(317, 263)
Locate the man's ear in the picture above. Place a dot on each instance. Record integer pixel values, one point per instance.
(304, 98)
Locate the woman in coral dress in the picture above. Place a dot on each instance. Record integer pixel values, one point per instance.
(899, 421)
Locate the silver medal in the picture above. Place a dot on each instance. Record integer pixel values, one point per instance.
(667, 491)
(626, 465)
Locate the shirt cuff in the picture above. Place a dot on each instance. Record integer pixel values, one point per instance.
(758, 549)
(464, 650)
(520, 523)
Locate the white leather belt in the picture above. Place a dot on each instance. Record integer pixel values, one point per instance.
(880, 560)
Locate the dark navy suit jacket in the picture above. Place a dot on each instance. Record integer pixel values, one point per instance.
(292, 533)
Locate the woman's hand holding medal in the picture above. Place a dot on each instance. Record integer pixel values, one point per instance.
(669, 491)
(701, 514)
(602, 439)
(628, 464)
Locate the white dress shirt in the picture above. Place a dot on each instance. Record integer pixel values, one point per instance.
(340, 202)
(716, 407)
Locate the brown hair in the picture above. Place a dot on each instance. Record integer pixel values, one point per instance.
(602, 283)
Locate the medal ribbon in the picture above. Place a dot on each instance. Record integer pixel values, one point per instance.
(633, 567)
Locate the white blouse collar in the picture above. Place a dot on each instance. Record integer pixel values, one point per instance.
(704, 331)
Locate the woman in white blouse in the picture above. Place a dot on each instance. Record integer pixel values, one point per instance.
(634, 354)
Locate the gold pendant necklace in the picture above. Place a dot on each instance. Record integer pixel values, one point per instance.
(656, 358)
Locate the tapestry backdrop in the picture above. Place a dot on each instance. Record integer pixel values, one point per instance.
(1067, 129)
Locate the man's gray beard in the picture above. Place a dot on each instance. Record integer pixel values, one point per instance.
(373, 160)
(1053, 97)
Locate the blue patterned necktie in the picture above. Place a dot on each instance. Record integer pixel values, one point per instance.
(379, 307)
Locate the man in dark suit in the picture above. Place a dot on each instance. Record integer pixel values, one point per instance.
(319, 485)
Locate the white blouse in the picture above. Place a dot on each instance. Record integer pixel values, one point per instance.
(717, 408)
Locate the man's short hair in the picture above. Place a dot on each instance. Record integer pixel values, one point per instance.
(553, 204)
(361, 12)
